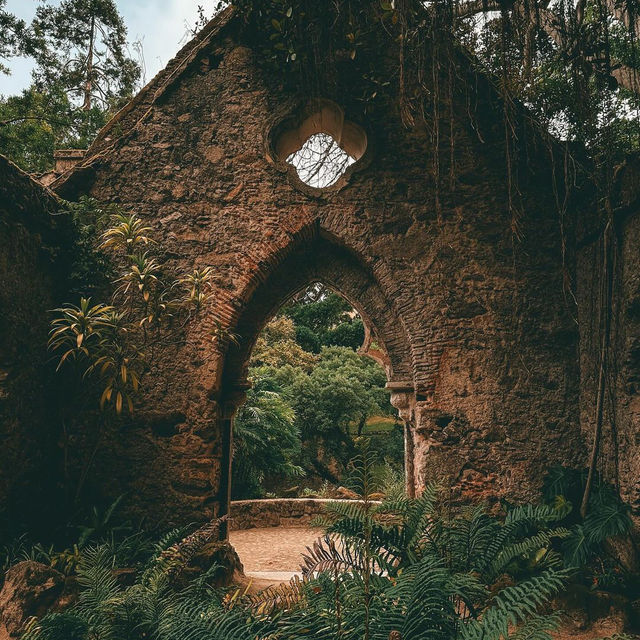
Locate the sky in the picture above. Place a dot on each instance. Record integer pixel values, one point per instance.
(161, 25)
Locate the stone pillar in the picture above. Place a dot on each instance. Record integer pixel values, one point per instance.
(232, 402)
(403, 398)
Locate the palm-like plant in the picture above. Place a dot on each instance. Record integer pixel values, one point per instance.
(197, 287)
(77, 328)
(98, 335)
(140, 276)
(266, 440)
(127, 233)
(114, 341)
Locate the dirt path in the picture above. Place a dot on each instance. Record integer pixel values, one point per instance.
(273, 553)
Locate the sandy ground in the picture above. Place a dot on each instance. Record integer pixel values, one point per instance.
(273, 553)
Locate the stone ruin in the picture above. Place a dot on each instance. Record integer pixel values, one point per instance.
(491, 359)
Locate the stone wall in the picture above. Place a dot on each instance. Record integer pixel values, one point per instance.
(481, 340)
(276, 512)
(32, 277)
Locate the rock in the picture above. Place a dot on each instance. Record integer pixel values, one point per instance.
(624, 550)
(598, 611)
(634, 615)
(346, 494)
(30, 589)
(220, 554)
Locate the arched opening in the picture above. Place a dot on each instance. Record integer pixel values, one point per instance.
(316, 401)
(319, 145)
(317, 269)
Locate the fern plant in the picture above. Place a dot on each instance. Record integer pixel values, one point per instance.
(408, 569)
(586, 548)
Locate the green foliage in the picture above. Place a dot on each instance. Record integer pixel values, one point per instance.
(14, 36)
(330, 402)
(277, 347)
(112, 344)
(607, 517)
(416, 567)
(266, 441)
(92, 270)
(83, 73)
(59, 626)
(37, 122)
(82, 50)
(330, 391)
(383, 568)
(323, 318)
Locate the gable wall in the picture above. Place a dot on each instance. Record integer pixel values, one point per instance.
(493, 345)
(32, 281)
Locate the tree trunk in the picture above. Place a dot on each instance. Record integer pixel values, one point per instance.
(88, 84)
(362, 423)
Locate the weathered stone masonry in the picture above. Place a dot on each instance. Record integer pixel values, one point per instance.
(33, 271)
(445, 294)
(619, 459)
(482, 345)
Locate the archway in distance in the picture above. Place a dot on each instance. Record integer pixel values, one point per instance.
(319, 259)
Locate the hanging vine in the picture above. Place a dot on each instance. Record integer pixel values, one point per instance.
(573, 64)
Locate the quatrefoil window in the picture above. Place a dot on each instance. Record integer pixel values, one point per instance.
(321, 145)
(320, 161)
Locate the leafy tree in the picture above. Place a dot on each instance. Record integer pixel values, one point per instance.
(83, 73)
(323, 318)
(341, 391)
(36, 123)
(276, 347)
(266, 441)
(82, 50)
(14, 36)
(332, 391)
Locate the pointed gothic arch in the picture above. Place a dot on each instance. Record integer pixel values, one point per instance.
(320, 258)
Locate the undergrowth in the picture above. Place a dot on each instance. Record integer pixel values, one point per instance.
(401, 568)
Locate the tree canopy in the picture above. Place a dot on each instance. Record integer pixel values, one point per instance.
(83, 73)
(82, 49)
(14, 37)
(311, 398)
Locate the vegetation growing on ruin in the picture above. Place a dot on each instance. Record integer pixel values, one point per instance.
(114, 343)
(416, 568)
(405, 568)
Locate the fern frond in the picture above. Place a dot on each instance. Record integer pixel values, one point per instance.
(514, 605)
(538, 627)
(523, 549)
(606, 521)
(283, 597)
